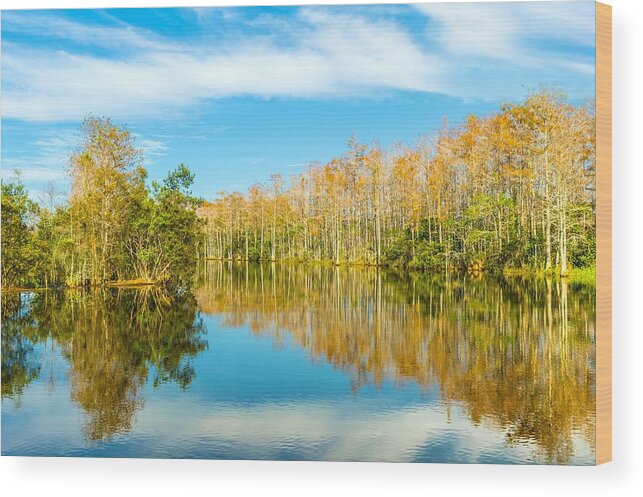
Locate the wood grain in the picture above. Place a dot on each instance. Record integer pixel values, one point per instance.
(603, 233)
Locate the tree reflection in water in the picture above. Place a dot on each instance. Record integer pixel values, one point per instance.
(20, 362)
(517, 353)
(512, 353)
(112, 338)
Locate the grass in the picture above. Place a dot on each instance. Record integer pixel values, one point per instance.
(584, 276)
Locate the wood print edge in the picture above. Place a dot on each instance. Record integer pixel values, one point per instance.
(603, 233)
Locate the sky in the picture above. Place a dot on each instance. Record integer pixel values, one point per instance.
(238, 94)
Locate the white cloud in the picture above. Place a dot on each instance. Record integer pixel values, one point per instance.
(335, 55)
(502, 50)
(152, 147)
(318, 53)
(47, 156)
(42, 162)
(120, 37)
(31, 173)
(504, 30)
(342, 430)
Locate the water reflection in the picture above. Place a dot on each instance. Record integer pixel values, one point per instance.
(516, 353)
(515, 356)
(113, 339)
(20, 364)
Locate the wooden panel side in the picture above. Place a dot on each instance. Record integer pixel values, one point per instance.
(603, 233)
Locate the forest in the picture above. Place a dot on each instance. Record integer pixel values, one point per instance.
(112, 229)
(511, 191)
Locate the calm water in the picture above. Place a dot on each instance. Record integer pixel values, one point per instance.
(293, 362)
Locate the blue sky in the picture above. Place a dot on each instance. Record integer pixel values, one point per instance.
(240, 93)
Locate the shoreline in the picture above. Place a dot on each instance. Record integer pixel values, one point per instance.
(133, 283)
(586, 276)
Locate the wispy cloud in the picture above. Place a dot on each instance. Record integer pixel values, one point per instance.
(317, 52)
(121, 37)
(335, 55)
(152, 147)
(32, 173)
(510, 31)
(43, 160)
(343, 431)
(498, 47)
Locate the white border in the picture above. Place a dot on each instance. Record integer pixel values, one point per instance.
(52, 477)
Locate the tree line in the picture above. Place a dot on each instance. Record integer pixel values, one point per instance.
(112, 227)
(512, 190)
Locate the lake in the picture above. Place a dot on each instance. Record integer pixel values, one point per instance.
(298, 362)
